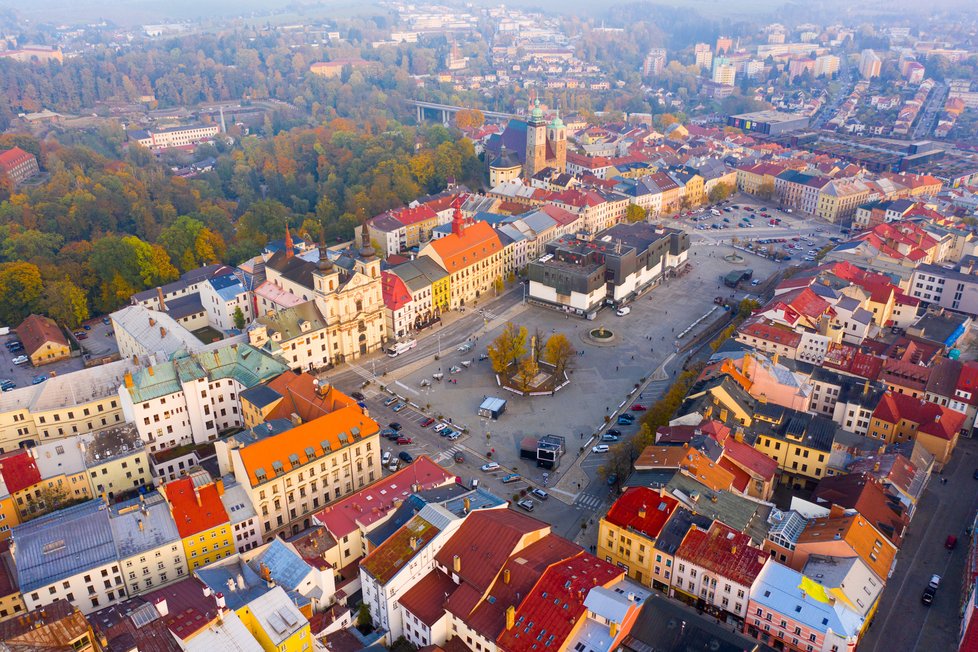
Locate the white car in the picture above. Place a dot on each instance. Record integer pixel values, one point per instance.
(621, 312)
(386, 458)
(440, 427)
(600, 448)
(453, 436)
(490, 466)
(21, 359)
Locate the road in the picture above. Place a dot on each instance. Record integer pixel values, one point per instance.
(928, 115)
(846, 84)
(944, 509)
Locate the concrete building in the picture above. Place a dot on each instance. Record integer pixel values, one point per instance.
(869, 64)
(69, 555)
(704, 56)
(18, 165)
(769, 123)
(628, 532)
(614, 268)
(174, 136)
(150, 552)
(298, 336)
(951, 287)
(141, 332)
(222, 298)
(201, 520)
(724, 72)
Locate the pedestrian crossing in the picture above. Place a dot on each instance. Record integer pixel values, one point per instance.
(448, 454)
(588, 501)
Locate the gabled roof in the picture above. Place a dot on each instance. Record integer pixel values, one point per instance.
(36, 331)
(19, 470)
(788, 592)
(930, 418)
(395, 292)
(854, 532)
(865, 494)
(550, 612)
(394, 554)
(724, 552)
(194, 509)
(641, 510)
(477, 242)
(426, 599)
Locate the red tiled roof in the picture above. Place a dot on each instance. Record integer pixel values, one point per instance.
(724, 552)
(642, 510)
(763, 330)
(407, 216)
(375, 501)
(578, 198)
(426, 599)
(480, 556)
(561, 216)
(19, 470)
(749, 458)
(396, 294)
(194, 510)
(13, 157)
(556, 603)
(930, 418)
(36, 331)
(865, 494)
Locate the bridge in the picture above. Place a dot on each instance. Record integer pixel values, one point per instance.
(447, 110)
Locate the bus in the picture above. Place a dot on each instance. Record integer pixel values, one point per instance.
(401, 347)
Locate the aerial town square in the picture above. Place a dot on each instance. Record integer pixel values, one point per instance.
(469, 327)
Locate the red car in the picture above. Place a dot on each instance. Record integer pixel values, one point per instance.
(427, 422)
(405, 440)
(638, 407)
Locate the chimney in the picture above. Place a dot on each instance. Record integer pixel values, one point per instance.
(141, 526)
(149, 370)
(159, 299)
(836, 510)
(505, 576)
(207, 591)
(162, 332)
(197, 496)
(220, 600)
(127, 379)
(162, 607)
(613, 629)
(219, 483)
(510, 617)
(466, 504)
(733, 550)
(414, 543)
(641, 511)
(152, 322)
(456, 563)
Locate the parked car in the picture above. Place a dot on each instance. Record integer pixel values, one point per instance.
(38, 380)
(385, 458)
(453, 436)
(459, 457)
(106, 321)
(600, 448)
(393, 465)
(399, 407)
(625, 420)
(638, 407)
(612, 479)
(387, 433)
(7, 385)
(391, 401)
(394, 425)
(621, 312)
(21, 359)
(526, 504)
(512, 477)
(427, 422)
(440, 427)
(609, 437)
(404, 440)
(540, 493)
(405, 456)
(358, 396)
(614, 432)
(489, 466)
(951, 542)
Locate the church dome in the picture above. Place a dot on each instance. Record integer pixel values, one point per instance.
(537, 113)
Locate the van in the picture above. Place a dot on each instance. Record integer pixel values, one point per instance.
(475, 483)
(714, 212)
(401, 347)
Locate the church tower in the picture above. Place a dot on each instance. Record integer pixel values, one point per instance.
(536, 142)
(557, 137)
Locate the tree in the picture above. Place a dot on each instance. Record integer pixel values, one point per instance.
(365, 622)
(508, 348)
(469, 119)
(634, 213)
(766, 189)
(65, 302)
(526, 370)
(720, 191)
(20, 290)
(239, 318)
(558, 352)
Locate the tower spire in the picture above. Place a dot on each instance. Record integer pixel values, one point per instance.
(289, 246)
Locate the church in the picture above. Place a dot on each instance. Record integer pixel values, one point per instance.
(527, 146)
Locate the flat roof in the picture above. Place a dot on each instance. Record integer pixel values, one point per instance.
(770, 117)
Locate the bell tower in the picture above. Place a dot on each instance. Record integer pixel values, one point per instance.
(536, 142)
(557, 137)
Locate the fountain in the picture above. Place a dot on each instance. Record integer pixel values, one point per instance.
(601, 335)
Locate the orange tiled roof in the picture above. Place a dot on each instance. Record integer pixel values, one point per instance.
(296, 447)
(477, 242)
(194, 509)
(303, 397)
(858, 534)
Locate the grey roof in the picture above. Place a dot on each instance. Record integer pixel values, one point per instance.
(288, 322)
(277, 615)
(82, 386)
(419, 273)
(61, 544)
(236, 501)
(165, 334)
(739, 512)
(260, 395)
(111, 443)
(184, 306)
(287, 568)
(142, 524)
(676, 528)
(607, 603)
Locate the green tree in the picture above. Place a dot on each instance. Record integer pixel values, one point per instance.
(239, 318)
(20, 291)
(32, 245)
(635, 213)
(720, 191)
(508, 347)
(65, 302)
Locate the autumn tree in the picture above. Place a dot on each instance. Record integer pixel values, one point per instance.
(20, 290)
(508, 347)
(634, 213)
(64, 302)
(766, 189)
(526, 370)
(467, 119)
(190, 244)
(558, 352)
(720, 191)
